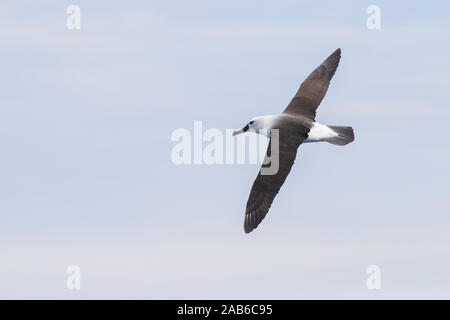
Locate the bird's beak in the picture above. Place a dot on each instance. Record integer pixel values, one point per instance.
(238, 131)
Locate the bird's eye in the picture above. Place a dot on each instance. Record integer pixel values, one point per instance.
(251, 122)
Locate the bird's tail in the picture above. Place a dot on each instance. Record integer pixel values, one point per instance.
(344, 135)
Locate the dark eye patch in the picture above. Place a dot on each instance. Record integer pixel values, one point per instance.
(251, 122)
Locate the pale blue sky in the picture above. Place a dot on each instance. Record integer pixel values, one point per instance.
(86, 176)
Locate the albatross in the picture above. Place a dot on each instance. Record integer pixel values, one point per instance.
(295, 125)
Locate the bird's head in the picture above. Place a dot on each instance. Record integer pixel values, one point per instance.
(258, 125)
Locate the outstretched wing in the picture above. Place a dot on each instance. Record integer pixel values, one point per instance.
(266, 187)
(313, 89)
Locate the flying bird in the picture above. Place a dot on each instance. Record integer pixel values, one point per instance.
(296, 125)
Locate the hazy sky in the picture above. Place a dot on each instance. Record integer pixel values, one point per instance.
(86, 176)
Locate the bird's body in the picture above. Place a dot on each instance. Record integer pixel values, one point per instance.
(317, 132)
(320, 132)
(295, 126)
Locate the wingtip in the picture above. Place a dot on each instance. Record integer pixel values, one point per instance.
(337, 52)
(248, 229)
(247, 224)
(250, 222)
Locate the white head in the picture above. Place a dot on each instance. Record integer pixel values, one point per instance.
(259, 125)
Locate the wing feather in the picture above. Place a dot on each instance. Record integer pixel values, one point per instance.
(266, 187)
(313, 89)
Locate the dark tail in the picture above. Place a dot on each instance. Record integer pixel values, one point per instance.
(345, 135)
